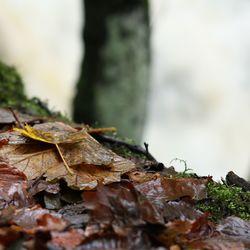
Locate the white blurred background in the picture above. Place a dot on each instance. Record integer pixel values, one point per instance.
(200, 90)
(43, 40)
(200, 99)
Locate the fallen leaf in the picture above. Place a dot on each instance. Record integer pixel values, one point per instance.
(13, 138)
(158, 188)
(6, 117)
(76, 214)
(235, 228)
(183, 232)
(3, 142)
(13, 187)
(174, 210)
(120, 204)
(216, 243)
(67, 240)
(106, 241)
(50, 223)
(7, 237)
(89, 161)
(27, 217)
(31, 220)
(53, 135)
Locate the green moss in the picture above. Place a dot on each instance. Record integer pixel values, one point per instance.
(12, 94)
(126, 152)
(226, 200)
(186, 173)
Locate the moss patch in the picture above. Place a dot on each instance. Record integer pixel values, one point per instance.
(226, 200)
(12, 94)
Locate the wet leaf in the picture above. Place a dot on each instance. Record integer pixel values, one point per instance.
(109, 240)
(105, 241)
(183, 232)
(27, 217)
(6, 117)
(174, 210)
(13, 187)
(8, 236)
(215, 243)
(3, 142)
(158, 188)
(37, 219)
(76, 214)
(120, 204)
(67, 240)
(235, 228)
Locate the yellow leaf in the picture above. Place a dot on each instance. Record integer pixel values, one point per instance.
(52, 137)
(89, 161)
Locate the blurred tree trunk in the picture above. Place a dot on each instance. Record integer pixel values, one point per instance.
(113, 85)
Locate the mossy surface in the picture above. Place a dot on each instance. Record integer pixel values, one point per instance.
(126, 152)
(12, 94)
(224, 200)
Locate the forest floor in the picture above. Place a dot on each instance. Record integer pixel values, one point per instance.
(70, 186)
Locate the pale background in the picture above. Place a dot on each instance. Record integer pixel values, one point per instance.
(200, 90)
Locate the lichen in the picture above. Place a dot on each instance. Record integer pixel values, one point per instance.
(224, 200)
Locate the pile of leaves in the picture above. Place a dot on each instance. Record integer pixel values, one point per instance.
(72, 187)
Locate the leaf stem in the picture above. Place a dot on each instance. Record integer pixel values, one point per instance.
(65, 163)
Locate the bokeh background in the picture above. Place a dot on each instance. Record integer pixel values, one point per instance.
(197, 90)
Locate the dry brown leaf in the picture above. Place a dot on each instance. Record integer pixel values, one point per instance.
(89, 160)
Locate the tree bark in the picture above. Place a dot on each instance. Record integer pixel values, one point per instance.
(113, 85)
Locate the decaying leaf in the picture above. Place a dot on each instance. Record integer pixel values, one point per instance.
(235, 228)
(6, 117)
(8, 236)
(175, 210)
(183, 232)
(13, 187)
(89, 160)
(108, 204)
(31, 220)
(67, 240)
(150, 208)
(156, 187)
(216, 243)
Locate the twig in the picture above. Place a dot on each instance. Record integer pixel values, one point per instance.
(132, 147)
(18, 122)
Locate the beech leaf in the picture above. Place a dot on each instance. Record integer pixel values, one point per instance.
(89, 161)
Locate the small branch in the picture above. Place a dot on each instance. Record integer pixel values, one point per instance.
(101, 130)
(132, 147)
(18, 122)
